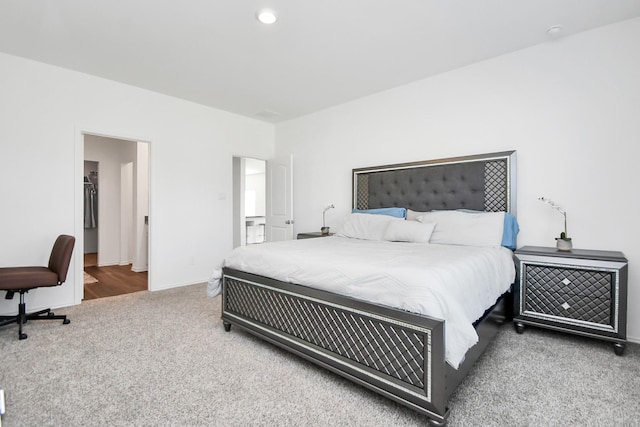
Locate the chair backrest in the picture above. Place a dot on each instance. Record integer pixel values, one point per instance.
(61, 256)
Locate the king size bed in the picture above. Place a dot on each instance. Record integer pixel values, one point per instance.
(407, 295)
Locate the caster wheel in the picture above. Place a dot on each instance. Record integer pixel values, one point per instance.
(66, 321)
(618, 348)
(435, 423)
(519, 328)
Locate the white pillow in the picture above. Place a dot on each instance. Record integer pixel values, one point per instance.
(409, 231)
(463, 228)
(413, 215)
(366, 226)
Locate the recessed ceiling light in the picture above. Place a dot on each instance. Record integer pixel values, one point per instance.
(555, 30)
(266, 16)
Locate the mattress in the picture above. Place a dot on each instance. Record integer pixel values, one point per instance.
(453, 283)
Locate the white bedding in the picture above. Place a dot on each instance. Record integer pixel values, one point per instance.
(449, 282)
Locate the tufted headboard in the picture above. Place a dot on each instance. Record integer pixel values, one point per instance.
(484, 182)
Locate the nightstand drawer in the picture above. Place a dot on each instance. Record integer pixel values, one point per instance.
(584, 282)
(569, 306)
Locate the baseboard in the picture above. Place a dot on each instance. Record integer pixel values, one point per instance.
(139, 269)
(178, 285)
(109, 264)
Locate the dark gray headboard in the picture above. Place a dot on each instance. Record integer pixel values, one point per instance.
(485, 182)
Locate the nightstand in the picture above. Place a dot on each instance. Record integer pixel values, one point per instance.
(312, 234)
(580, 291)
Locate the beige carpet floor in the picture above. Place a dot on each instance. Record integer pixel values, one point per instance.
(163, 359)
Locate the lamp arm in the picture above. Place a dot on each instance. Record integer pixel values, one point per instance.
(330, 206)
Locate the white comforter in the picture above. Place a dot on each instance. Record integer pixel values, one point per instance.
(453, 283)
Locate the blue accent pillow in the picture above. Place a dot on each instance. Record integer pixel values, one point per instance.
(510, 232)
(396, 212)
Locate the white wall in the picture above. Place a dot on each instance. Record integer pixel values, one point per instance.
(570, 108)
(44, 109)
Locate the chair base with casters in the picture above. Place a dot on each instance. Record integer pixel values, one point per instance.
(22, 279)
(22, 317)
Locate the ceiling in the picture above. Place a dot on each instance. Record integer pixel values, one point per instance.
(317, 55)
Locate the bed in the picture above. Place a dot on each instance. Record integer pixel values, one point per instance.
(389, 347)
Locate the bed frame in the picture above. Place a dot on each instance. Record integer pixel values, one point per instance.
(395, 353)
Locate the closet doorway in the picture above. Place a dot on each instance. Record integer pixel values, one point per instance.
(116, 212)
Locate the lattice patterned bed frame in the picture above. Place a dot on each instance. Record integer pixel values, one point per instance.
(392, 352)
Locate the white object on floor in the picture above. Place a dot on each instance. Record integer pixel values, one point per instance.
(1, 405)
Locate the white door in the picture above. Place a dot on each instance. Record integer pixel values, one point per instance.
(279, 203)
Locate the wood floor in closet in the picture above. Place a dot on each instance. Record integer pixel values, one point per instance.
(112, 280)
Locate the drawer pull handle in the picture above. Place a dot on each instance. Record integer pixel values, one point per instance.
(565, 306)
(566, 281)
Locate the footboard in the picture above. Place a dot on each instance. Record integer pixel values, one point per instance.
(392, 352)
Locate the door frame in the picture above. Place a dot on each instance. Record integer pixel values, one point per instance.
(78, 255)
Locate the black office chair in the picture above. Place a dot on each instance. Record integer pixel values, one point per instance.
(23, 279)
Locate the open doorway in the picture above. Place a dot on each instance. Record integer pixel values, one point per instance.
(249, 201)
(116, 210)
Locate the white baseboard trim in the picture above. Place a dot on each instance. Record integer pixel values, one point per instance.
(180, 285)
(109, 264)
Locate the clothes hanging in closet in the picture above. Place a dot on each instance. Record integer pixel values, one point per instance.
(90, 203)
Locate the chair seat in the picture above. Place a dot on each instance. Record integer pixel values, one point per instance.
(17, 278)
